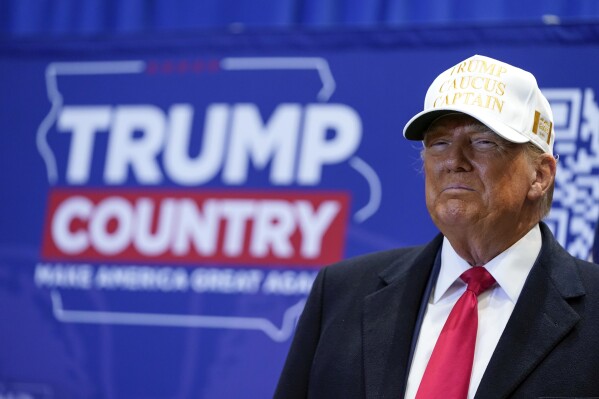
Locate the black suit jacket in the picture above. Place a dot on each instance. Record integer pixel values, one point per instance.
(354, 337)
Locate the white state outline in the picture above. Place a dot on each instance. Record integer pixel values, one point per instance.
(55, 97)
(232, 63)
(180, 320)
(376, 191)
(321, 65)
(257, 63)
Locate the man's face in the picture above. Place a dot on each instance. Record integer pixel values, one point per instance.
(474, 178)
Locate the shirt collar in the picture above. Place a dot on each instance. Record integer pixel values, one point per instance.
(510, 268)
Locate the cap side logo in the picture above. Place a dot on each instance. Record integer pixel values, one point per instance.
(542, 127)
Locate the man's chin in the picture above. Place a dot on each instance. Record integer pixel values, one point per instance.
(452, 218)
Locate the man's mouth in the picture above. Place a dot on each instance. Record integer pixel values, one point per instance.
(458, 187)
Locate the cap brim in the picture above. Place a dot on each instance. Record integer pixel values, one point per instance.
(419, 124)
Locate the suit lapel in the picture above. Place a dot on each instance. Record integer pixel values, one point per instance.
(389, 317)
(541, 318)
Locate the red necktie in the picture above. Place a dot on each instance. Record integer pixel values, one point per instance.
(447, 374)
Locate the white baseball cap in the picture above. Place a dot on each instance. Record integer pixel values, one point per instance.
(504, 98)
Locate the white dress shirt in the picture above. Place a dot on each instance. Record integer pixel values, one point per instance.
(495, 306)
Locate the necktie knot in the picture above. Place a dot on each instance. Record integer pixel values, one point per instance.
(478, 279)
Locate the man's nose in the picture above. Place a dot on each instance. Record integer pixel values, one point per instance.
(457, 159)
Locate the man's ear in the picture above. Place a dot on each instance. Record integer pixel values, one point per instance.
(545, 167)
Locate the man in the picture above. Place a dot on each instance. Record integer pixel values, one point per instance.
(403, 324)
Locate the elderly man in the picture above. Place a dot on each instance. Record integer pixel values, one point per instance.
(493, 307)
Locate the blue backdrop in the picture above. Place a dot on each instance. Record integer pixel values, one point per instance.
(166, 202)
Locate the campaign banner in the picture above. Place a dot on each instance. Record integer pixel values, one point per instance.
(167, 202)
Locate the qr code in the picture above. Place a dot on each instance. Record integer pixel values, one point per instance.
(575, 209)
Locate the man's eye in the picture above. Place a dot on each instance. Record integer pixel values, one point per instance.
(437, 143)
(484, 143)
